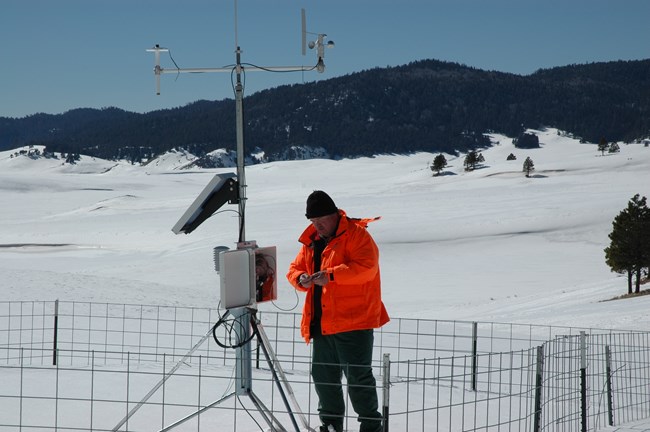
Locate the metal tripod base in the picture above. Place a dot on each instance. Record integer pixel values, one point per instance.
(268, 416)
(244, 381)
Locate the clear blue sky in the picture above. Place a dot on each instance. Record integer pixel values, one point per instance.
(58, 55)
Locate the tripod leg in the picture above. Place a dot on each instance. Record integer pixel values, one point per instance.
(274, 365)
(162, 381)
(283, 377)
(184, 419)
(266, 413)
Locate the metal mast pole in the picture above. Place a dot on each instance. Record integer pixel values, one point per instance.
(243, 330)
(239, 111)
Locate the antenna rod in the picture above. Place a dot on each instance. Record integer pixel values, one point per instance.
(236, 34)
(303, 32)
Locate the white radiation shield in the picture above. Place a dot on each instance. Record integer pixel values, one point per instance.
(237, 278)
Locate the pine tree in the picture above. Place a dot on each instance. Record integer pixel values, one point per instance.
(472, 159)
(602, 146)
(528, 166)
(629, 250)
(439, 163)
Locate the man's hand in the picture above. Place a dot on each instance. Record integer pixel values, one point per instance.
(305, 280)
(320, 278)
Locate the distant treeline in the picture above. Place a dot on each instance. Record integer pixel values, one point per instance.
(426, 105)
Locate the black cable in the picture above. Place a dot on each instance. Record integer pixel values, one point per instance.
(223, 211)
(221, 321)
(232, 333)
(302, 69)
(241, 226)
(178, 70)
(295, 292)
(249, 413)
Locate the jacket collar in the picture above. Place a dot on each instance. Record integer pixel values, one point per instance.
(310, 234)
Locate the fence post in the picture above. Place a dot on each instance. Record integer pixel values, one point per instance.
(583, 381)
(56, 331)
(22, 384)
(474, 354)
(608, 372)
(538, 388)
(386, 385)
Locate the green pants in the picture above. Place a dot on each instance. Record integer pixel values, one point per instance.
(348, 353)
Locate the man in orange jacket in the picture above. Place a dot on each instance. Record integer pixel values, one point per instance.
(338, 268)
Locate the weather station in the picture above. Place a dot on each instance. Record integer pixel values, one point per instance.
(247, 273)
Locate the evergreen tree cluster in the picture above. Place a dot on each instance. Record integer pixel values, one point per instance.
(472, 160)
(604, 146)
(526, 141)
(426, 105)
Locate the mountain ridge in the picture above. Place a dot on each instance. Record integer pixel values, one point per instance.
(426, 105)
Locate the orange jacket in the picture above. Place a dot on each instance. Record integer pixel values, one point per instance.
(351, 300)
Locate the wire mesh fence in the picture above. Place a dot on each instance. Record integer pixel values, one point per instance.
(91, 366)
(112, 395)
(438, 393)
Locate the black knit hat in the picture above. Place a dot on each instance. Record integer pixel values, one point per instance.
(319, 204)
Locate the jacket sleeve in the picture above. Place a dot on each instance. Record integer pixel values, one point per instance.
(298, 267)
(362, 264)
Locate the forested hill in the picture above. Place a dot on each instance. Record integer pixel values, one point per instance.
(426, 105)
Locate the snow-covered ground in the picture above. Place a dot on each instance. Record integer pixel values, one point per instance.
(487, 245)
